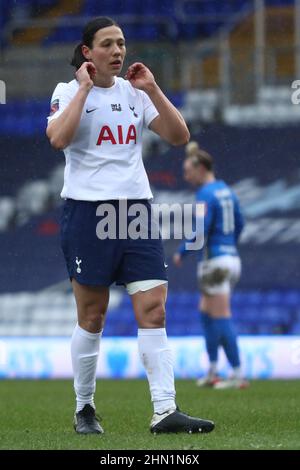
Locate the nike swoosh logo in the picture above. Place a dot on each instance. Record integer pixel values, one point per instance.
(90, 110)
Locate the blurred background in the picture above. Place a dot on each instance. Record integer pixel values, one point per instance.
(229, 66)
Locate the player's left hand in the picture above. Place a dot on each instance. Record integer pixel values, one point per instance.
(140, 76)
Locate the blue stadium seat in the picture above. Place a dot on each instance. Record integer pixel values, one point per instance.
(295, 329)
(127, 7)
(149, 7)
(290, 298)
(253, 298)
(7, 124)
(249, 314)
(272, 297)
(64, 34)
(177, 98)
(277, 3)
(238, 298)
(275, 314)
(190, 30)
(107, 7)
(43, 3)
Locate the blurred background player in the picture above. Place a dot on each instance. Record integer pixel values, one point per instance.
(219, 265)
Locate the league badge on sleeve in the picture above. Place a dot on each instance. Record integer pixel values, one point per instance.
(54, 107)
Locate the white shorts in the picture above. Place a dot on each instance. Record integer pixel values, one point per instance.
(136, 286)
(219, 275)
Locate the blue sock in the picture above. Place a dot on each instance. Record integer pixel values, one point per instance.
(228, 340)
(211, 335)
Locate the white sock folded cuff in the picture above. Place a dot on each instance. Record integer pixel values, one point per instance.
(152, 332)
(87, 334)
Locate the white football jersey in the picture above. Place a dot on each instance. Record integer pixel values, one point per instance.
(104, 159)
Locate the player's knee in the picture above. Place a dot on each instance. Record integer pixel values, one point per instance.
(92, 317)
(155, 316)
(204, 304)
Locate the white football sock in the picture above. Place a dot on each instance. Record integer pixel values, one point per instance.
(212, 369)
(84, 352)
(157, 358)
(237, 373)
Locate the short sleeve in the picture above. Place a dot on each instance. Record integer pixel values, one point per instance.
(150, 111)
(61, 97)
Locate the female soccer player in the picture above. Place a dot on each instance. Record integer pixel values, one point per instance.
(98, 120)
(219, 264)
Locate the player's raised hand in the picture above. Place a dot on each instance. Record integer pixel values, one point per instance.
(140, 76)
(85, 74)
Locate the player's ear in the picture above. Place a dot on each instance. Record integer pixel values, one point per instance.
(85, 52)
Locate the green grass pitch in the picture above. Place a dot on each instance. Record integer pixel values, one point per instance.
(38, 415)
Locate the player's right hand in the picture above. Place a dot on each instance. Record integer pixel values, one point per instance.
(85, 74)
(177, 260)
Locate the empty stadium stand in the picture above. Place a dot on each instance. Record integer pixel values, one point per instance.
(191, 19)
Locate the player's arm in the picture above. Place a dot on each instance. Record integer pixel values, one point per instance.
(239, 221)
(169, 125)
(61, 130)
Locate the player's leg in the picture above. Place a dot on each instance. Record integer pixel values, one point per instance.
(91, 308)
(209, 302)
(149, 308)
(143, 271)
(212, 341)
(90, 262)
(229, 342)
(226, 272)
(220, 316)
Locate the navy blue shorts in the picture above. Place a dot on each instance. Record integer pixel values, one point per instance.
(94, 261)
